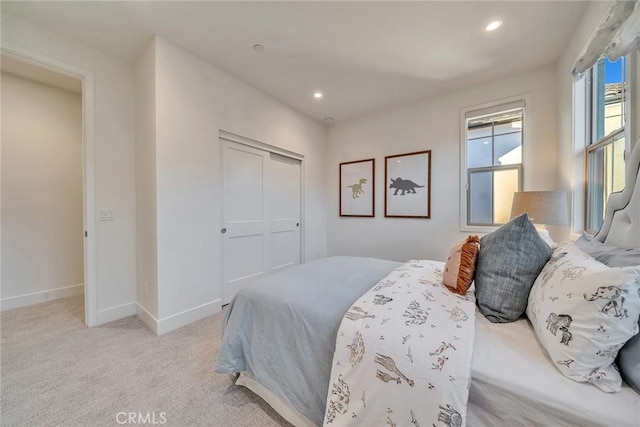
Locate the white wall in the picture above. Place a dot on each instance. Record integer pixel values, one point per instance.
(194, 100)
(41, 202)
(182, 102)
(146, 214)
(432, 124)
(114, 158)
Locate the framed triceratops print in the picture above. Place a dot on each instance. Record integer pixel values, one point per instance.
(356, 188)
(408, 185)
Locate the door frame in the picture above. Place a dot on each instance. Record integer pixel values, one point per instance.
(88, 164)
(232, 137)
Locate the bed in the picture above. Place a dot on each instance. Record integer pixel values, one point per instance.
(512, 379)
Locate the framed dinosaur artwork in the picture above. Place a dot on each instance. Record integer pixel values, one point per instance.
(357, 198)
(407, 180)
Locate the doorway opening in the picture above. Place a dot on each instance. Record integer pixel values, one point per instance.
(46, 181)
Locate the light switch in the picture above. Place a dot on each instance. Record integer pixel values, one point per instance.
(106, 215)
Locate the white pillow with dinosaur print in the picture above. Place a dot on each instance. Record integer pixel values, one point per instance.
(583, 312)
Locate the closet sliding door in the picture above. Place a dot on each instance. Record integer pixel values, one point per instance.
(261, 214)
(283, 189)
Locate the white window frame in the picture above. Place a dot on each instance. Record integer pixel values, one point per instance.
(527, 133)
(629, 130)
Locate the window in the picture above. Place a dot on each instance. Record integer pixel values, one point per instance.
(493, 142)
(606, 141)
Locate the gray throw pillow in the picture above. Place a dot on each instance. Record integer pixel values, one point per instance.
(509, 261)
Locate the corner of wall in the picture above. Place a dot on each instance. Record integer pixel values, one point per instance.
(145, 160)
(148, 318)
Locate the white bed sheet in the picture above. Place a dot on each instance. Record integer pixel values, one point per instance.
(515, 383)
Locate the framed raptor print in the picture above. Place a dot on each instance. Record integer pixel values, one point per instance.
(357, 198)
(408, 185)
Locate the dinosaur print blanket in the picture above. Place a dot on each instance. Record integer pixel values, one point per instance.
(403, 353)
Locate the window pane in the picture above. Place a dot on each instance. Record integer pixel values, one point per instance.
(595, 192)
(493, 142)
(491, 195)
(606, 176)
(609, 93)
(506, 183)
(481, 198)
(513, 125)
(614, 166)
(479, 131)
(613, 108)
(508, 149)
(479, 153)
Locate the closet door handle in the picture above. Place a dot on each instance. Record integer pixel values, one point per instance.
(297, 224)
(224, 230)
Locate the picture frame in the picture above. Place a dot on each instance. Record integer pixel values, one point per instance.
(357, 189)
(407, 183)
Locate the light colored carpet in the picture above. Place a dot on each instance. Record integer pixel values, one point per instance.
(55, 371)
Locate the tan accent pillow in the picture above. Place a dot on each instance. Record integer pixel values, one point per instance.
(461, 265)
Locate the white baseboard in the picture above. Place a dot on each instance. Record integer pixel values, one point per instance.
(115, 313)
(148, 318)
(40, 297)
(178, 320)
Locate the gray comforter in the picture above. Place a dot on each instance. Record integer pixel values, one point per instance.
(282, 328)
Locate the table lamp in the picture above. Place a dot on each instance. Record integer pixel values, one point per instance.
(544, 207)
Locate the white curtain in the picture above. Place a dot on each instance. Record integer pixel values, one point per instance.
(617, 34)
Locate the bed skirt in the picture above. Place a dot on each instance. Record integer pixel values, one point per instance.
(287, 411)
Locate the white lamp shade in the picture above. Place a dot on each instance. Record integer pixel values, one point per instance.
(543, 207)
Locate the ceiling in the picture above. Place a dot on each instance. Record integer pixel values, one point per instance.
(363, 56)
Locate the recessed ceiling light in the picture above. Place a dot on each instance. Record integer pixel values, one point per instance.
(258, 47)
(494, 25)
(317, 95)
(328, 120)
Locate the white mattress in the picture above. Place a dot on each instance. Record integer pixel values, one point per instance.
(516, 384)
